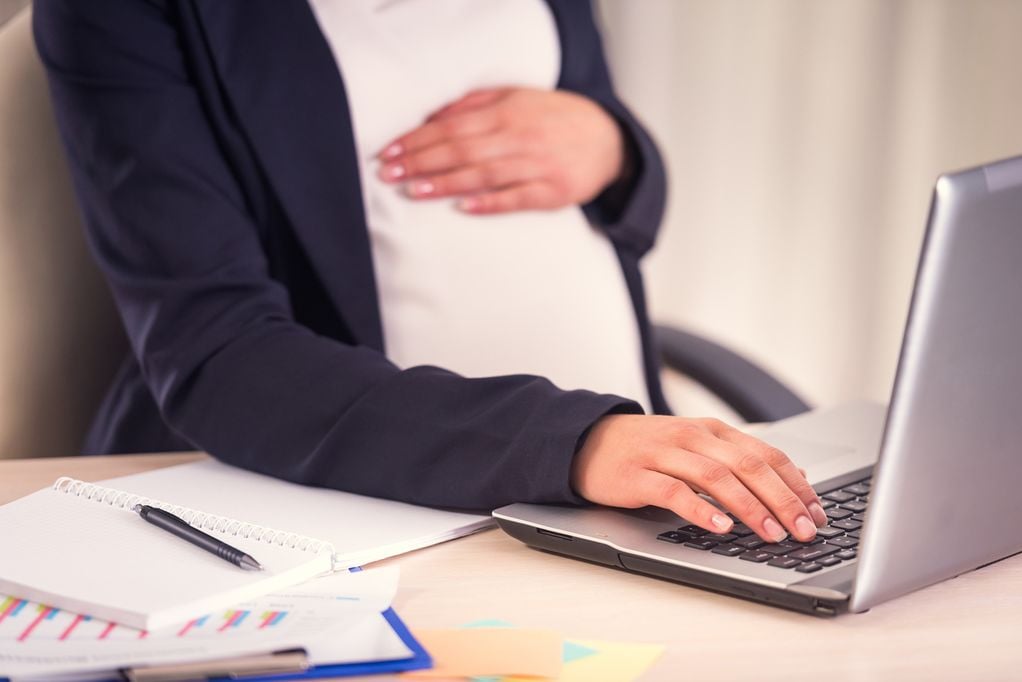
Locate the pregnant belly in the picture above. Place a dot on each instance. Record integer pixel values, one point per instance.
(535, 293)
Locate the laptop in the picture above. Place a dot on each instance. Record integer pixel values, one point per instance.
(919, 491)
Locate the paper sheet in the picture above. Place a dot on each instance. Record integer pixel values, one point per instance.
(336, 619)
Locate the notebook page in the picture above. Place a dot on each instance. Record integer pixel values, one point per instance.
(89, 557)
(361, 529)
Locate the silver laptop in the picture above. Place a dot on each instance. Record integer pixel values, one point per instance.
(918, 492)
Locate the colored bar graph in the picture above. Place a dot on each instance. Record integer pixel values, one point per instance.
(22, 603)
(188, 626)
(197, 623)
(267, 617)
(70, 628)
(271, 618)
(10, 605)
(44, 612)
(230, 617)
(107, 630)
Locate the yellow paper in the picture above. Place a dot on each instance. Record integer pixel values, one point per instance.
(491, 651)
(612, 662)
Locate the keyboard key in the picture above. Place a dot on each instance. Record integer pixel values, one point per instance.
(846, 554)
(828, 561)
(699, 543)
(857, 489)
(779, 548)
(674, 536)
(716, 537)
(808, 568)
(815, 541)
(756, 556)
(828, 532)
(859, 517)
(729, 550)
(854, 534)
(847, 524)
(741, 530)
(693, 530)
(839, 496)
(843, 542)
(837, 513)
(783, 562)
(813, 553)
(854, 506)
(827, 504)
(753, 542)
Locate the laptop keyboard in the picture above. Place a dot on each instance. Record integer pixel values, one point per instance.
(835, 543)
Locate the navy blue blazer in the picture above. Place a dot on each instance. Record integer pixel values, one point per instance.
(211, 149)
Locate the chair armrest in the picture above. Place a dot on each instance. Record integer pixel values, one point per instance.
(747, 388)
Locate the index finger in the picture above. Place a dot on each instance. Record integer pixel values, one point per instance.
(473, 100)
(782, 465)
(469, 124)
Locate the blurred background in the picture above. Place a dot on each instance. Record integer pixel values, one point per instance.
(802, 140)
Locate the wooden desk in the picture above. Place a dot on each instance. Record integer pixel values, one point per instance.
(969, 628)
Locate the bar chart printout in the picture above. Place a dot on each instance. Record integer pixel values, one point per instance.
(23, 621)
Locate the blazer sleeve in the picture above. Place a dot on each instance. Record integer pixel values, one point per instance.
(213, 331)
(630, 210)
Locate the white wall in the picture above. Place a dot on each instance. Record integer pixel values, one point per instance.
(803, 138)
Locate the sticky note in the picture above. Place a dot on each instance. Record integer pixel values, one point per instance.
(466, 652)
(574, 651)
(610, 662)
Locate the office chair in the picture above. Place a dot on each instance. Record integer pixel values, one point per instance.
(60, 337)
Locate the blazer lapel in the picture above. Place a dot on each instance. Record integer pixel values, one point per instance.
(281, 79)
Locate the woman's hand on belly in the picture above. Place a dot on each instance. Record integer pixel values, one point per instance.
(636, 460)
(509, 149)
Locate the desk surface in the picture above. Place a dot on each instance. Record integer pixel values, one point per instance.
(966, 628)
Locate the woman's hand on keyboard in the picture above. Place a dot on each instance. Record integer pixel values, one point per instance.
(636, 460)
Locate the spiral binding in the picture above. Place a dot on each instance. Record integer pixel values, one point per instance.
(201, 520)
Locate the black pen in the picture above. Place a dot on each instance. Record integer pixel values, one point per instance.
(181, 528)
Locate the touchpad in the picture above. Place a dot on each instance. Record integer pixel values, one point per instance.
(829, 442)
(805, 452)
(820, 460)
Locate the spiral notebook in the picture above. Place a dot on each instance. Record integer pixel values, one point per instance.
(78, 546)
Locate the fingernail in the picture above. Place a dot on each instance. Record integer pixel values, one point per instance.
(722, 522)
(393, 171)
(819, 516)
(469, 204)
(392, 151)
(805, 527)
(421, 188)
(773, 530)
